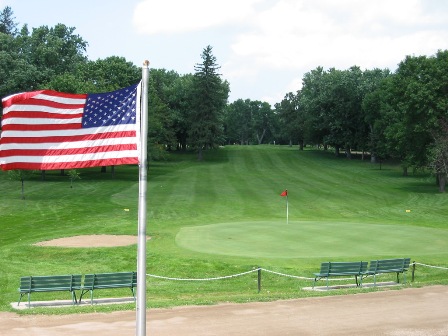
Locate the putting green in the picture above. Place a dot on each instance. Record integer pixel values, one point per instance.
(312, 239)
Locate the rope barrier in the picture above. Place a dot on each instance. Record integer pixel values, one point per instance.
(204, 279)
(268, 271)
(286, 275)
(444, 268)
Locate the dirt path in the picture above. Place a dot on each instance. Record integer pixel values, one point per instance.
(406, 312)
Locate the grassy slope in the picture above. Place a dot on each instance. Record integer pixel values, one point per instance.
(235, 184)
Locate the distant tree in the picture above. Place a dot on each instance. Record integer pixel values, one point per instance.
(262, 120)
(208, 103)
(238, 121)
(372, 95)
(8, 25)
(312, 101)
(438, 154)
(73, 175)
(178, 95)
(292, 119)
(415, 102)
(20, 175)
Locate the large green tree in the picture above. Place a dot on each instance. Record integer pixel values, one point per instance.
(208, 103)
(415, 102)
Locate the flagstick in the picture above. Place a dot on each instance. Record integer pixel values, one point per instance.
(287, 210)
(141, 249)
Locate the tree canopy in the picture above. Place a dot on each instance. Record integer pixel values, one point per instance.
(400, 115)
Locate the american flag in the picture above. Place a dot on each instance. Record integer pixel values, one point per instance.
(44, 130)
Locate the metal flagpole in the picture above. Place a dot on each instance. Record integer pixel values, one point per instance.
(143, 166)
(287, 210)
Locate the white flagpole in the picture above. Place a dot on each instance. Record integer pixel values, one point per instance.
(287, 210)
(143, 166)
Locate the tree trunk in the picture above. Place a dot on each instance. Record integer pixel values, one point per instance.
(260, 138)
(200, 157)
(23, 189)
(336, 151)
(442, 182)
(373, 158)
(405, 171)
(348, 153)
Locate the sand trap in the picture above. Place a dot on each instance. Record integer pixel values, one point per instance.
(92, 241)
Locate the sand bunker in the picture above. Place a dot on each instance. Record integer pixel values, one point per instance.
(92, 241)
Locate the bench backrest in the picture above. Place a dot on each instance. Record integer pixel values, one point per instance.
(398, 265)
(50, 283)
(343, 267)
(110, 280)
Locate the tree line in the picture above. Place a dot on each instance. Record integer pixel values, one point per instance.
(401, 115)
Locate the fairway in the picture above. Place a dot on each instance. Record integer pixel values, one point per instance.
(224, 216)
(311, 239)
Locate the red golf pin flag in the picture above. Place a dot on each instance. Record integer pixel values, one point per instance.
(285, 194)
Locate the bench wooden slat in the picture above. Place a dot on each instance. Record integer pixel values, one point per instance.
(50, 283)
(108, 281)
(382, 266)
(329, 269)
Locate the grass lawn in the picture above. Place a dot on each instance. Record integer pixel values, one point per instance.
(225, 216)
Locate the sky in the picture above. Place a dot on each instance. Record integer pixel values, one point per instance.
(264, 47)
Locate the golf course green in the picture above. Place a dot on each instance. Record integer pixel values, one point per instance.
(312, 239)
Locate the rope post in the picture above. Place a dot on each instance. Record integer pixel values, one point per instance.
(259, 279)
(413, 271)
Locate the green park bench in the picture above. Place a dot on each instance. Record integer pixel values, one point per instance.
(398, 266)
(334, 269)
(108, 281)
(51, 283)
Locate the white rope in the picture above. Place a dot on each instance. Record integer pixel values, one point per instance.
(205, 279)
(269, 271)
(287, 275)
(445, 268)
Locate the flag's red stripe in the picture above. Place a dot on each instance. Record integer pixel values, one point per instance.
(57, 139)
(42, 103)
(43, 127)
(44, 115)
(69, 165)
(19, 98)
(68, 151)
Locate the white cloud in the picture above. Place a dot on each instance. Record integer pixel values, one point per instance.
(181, 16)
(303, 34)
(265, 46)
